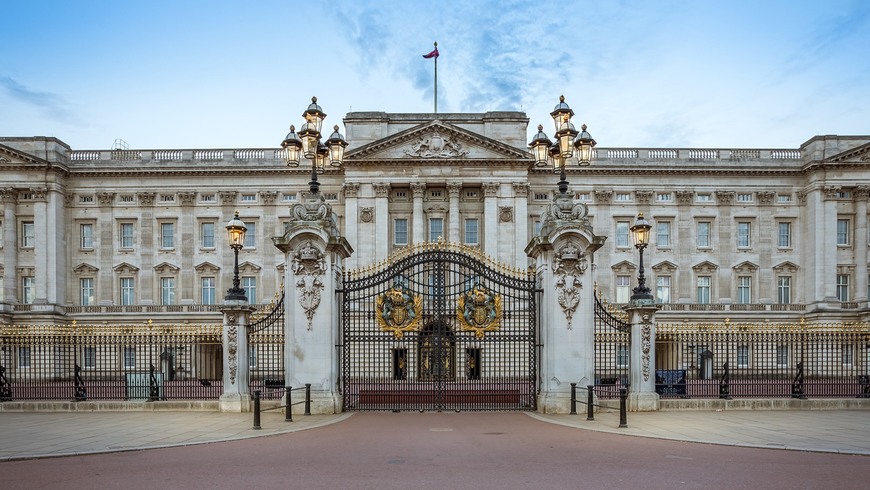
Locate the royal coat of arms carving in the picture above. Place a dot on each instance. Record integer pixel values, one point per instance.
(399, 310)
(479, 310)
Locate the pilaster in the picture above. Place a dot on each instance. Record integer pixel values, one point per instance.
(454, 190)
(521, 223)
(236, 396)
(418, 220)
(490, 219)
(382, 219)
(642, 396)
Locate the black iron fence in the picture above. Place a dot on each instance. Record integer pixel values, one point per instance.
(612, 349)
(731, 360)
(110, 362)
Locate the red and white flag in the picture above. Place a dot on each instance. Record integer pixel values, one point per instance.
(433, 54)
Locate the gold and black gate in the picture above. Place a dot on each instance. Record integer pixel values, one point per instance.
(439, 327)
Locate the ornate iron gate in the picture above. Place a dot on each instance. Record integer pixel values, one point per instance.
(439, 327)
(266, 349)
(612, 348)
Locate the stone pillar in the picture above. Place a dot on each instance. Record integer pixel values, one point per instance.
(41, 252)
(382, 220)
(351, 218)
(236, 397)
(521, 223)
(418, 221)
(189, 231)
(643, 396)
(9, 197)
(861, 195)
(454, 189)
(562, 254)
(490, 219)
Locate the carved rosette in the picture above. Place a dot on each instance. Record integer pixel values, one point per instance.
(433, 145)
(645, 344)
(568, 265)
(366, 215)
(309, 265)
(505, 214)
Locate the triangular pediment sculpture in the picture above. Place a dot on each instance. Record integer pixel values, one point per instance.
(435, 141)
(859, 154)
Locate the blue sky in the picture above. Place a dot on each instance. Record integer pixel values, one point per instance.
(196, 74)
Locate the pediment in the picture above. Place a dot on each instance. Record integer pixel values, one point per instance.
(248, 267)
(664, 266)
(166, 268)
(125, 268)
(705, 267)
(859, 154)
(10, 157)
(206, 267)
(435, 141)
(786, 267)
(745, 267)
(85, 269)
(624, 266)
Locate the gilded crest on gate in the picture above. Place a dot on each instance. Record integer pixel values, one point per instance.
(399, 310)
(479, 310)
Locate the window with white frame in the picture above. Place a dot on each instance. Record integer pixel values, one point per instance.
(436, 229)
(537, 227)
(664, 197)
(622, 355)
(704, 198)
(86, 285)
(584, 196)
(129, 357)
(782, 355)
(783, 198)
(622, 237)
(783, 290)
(251, 233)
(847, 354)
(126, 235)
(663, 289)
(744, 230)
(167, 290)
(249, 197)
(471, 231)
(27, 290)
(249, 285)
(622, 197)
(24, 357)
(843, 287)
(663, 234)
(843, 232)
(623, 289)
(703, 234)
(744, 197)
(400, 231)
(89, 354)
(744, 290)
(167, 235)
(207, 288)
(252, 356)
(704, 286)
(743, 355)
(128, 291)
(784, 234)
(28, 234)
(206, 234)
(87, 235)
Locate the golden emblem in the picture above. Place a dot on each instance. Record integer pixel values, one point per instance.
(399, 310)
(479, 310)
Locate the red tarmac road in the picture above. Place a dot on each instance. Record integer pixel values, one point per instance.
(444, 450)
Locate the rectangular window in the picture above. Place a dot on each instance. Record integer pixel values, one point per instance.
(783, 198)
(704, 285)
(743, 355)
(436, 229)
(252, 356)
(126, 235)
(623, 289)
(471, 237)
(251, 234)
(623, 197)
(537, 227)
(664, 197)
(24, 357)
(704, 198)
(167, 290)
(27, 285)
(87, 288)
(207, 234)
(703, 237)
(400, 231)
(663, 289)
(249, 284)
(783, 290)
(129, 357)
(744, 229)
(90, 357)
(842, 232)
(208, 291)
(663, 234)
(843, 287)
(87, 235)
(128, 291)
(744, 197)
(167, 235)
(622, 354)
(28, 232)
(249, 197)
(784, 236)
(622, 237)
(744, 290)
(782, 355)
(847, 354)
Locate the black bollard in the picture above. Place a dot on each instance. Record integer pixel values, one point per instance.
(623, 396)
(288, 412)
(257, 410)
(590, 400)
(307, 398)
(573, 399)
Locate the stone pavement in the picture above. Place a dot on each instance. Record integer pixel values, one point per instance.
(49, 434)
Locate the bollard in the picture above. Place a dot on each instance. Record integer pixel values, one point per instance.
(623, 396)
(288, 412)
(257, 410)
(573, 399)
(307, 398)
(590, 399)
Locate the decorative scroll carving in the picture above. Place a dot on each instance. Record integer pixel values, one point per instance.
(802, 197)
(862, 193)
(454, 189)
(366, 215)
(105, 198)
(603, 197)
(10, 195)
(418, 189)
(568, 264)
(232, 346)
(227, 197)
(569, 296)
(725, 197)
(68, 199)
(765, 197)
(563, 208)
(684, 197)
(382, 189)
(309, 265)
(569, 260)
(436, 146)
(268, 197)
(521, 189)
(351, 189)
(505, 214)
(187, 198)
(645, 344)
(643, 197)
(399, 310)
(479, 310)
(490, 189)
(832, 191)
(146, 198)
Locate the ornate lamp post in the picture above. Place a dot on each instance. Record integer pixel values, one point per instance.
(236, 230)
(307, 143)
(569, 143)
(640, 231)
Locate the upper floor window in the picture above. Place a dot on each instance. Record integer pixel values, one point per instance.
(471, 231)
(623, 197)
(249, 197)
(747, 197)
(783, 290)
(208, 290)
(251, 234)
(27, 290)
(436, 229)
(167, 290)
(784, 235)
(400, 232)
(623, 289)
(663, 289)
(126, 232)
(622, 238)
(704, 198)
(744, 229)
(744, 290)
(663, 234)
(167, 198)
(704, 286)
(783, 198)
(87, 291)
(28, 234)
(843, 287)
(167, 235)
(126, 198)
(207, 234)
(206, 197)
(584, 196)
(843, 232)
(664, 197)
(87, 235)
(128, 291)
(844, 195)
(86, 199)
(249, 285)
(703, 235)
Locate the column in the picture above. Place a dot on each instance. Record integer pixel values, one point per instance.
(490, 219)
(188, 230)
(382, 219)
(861, 195)
(521, 223)
(147, 239)
(454, 189)
(351, 218)
(41, 250)
(9, 197)
(106, 248)
(826, 244)
(418, 221)
(643, 396)
(235, 397)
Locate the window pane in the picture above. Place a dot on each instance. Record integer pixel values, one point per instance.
(842, 232)
(127, 291)
(87, 288)
(743, 234)
(129, 357)
(208, 291)
(744, 289)
(167, 290)
(167, 235)
(249, 284)
(703, 234)
(27, 234)
(622, 234)
(471, 237)
(90, 355)
(663, 289)
(783, 290)
(27, 290)
(208, 235)
(87, 232)
(400, 231)
(704, 289)
(663, 234)
(251, 234)
(784, 235)
(126, 235)
(843, 287)
(623, 289)
(743, 355)
(436, 229)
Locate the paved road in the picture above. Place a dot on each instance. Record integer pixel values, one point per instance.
(445, 450)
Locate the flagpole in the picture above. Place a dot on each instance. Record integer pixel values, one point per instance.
(436, 78)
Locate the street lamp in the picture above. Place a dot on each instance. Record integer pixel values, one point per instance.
(640, 231)
(236, 230)
(307, 143)
(569, 143)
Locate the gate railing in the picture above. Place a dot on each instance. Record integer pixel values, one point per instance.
(612, 349)
(266, 349)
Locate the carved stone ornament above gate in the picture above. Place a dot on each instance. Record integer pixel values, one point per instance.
(570, 260)
(479, 310)
(564, 208)
(434, 145)
(399, 310)
(569, 263)
(309, 265)
(568, 295)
